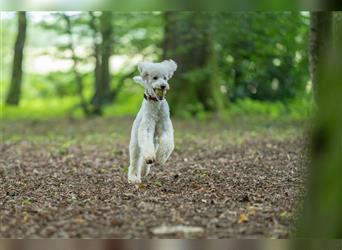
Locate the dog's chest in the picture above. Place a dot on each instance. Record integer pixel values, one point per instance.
(156, 114)
(155, 110)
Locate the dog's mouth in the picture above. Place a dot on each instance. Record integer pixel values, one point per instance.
(161, 93)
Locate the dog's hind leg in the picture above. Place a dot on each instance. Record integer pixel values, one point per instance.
(166, 146)
(166, 142)
(145, 139)
(134, 156)
(134, 168)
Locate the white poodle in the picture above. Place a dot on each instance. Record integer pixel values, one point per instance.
(152, 131)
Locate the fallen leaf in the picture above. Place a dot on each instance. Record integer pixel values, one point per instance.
(116, 222)
(79, 221)
(243, 218)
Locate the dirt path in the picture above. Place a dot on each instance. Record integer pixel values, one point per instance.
(68, 179)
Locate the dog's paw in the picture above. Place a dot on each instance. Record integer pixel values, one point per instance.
(150, 160)
(134, 179)
(149, 157)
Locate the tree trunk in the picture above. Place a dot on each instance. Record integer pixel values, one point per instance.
(102, 55)
(337, 33)
(322, 217)
(188, 41)
(97, 56)
(320, 41)
(13, 96)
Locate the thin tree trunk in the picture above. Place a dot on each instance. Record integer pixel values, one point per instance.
(320, 41)
(13, 96)
(102, 73)
(97, 56)
(106, 52)
(77, 75)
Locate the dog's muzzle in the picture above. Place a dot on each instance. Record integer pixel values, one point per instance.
(160, 92)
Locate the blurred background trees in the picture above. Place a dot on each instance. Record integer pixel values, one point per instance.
(83, 62)
(266, 54)
(188, 39)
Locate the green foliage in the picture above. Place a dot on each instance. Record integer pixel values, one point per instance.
(138, 33)
(263, 55)
(56, 83)
(128, 101)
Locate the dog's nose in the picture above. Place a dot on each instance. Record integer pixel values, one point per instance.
(163, 86)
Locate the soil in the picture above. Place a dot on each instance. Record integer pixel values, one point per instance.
(226, 179)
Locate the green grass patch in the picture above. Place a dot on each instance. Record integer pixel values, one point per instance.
(296, 109)
(129, 100)
(40, 108)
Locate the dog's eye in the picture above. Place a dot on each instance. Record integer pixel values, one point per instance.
(164, 77)
(155, 78)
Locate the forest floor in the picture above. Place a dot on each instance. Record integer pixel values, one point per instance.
(67, 178)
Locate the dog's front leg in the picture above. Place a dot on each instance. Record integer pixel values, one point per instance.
(145, 138)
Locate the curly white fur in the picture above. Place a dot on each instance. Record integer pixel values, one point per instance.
(152, 132)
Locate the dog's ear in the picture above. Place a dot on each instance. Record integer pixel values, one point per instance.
(142, 66)
(138, 79)
(171, 67)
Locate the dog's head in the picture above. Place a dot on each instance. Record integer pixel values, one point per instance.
(156, 75)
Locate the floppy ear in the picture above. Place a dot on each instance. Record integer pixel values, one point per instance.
(138, 79)
(142, 66)
(171, 67)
